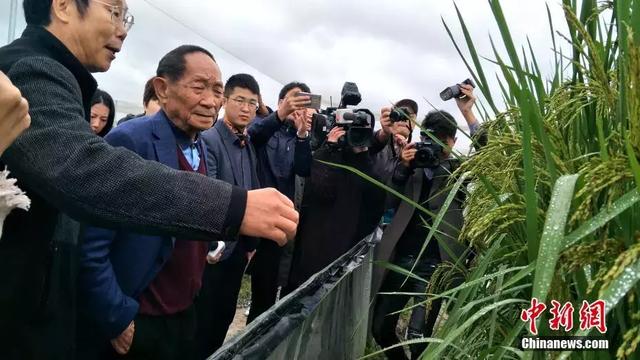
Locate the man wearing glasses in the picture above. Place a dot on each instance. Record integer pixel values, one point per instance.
(65, 168)
(230, 158)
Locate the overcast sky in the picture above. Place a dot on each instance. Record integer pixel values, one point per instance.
(391, 49)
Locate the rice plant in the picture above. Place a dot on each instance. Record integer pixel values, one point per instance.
(553, 211)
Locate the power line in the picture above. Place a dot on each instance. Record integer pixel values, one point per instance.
(237, 57)
(13, 19)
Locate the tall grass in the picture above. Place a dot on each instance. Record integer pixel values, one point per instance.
(554, 208)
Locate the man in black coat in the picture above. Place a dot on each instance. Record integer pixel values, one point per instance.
(283, 146)
(339, 208)
(65, 168)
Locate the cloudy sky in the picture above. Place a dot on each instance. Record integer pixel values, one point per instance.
(391, 49)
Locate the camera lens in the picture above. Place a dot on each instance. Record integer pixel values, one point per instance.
(359, 136)
(427, 155)
(401, 114)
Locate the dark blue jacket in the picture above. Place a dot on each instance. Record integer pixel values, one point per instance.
(220, 143)
(116, 266)
(281, 155)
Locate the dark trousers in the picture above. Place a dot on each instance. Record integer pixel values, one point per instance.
(264, 270)
(216, 302)
(385, 322)
(166, 337)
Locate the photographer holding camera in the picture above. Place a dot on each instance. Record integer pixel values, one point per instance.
(396, 127)
(422, 174)
(339, 208)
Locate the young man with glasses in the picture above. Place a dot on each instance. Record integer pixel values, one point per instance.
(66, 169)
(230, 158)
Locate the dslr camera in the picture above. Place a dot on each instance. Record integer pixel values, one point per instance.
(400, 114)
(453, 91)
(428, 154)
(358, 123)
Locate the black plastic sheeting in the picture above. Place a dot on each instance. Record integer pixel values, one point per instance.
(325, 318)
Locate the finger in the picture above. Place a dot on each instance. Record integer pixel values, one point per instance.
(118, 346)
(26, 122)
(334, 131)
(288, 227)
(124, 348)
(409, 154)
(301, 100)
(468, 93)
(290, 214)
(12, 98)
(20, 109)
(128, 336)
(285, 200)
(279, 236)
(466, 87)
(120, 350)
(128, 341)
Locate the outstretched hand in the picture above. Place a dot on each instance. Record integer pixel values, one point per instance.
(270, 215)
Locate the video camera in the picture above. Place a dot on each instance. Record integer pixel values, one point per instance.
(428, 154)
(358, 123)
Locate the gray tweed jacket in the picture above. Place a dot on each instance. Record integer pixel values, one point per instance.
(65, 168)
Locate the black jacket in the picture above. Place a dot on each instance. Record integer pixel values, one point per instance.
(65, 168)
(409, 182)
(339, 208)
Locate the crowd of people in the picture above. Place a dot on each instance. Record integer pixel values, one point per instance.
(140, 231)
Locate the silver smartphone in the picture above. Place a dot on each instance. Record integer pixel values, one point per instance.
(315, 100)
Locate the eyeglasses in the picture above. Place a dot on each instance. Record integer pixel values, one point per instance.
(118, 16)
(240, 101)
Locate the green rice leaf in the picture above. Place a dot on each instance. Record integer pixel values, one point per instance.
(612, 295)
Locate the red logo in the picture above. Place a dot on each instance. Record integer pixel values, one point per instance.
(593, 316)
(532, 314)
(561, 316)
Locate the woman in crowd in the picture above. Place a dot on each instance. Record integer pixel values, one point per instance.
(103, 112)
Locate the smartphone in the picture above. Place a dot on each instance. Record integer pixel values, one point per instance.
(212, 256)
(315, 100)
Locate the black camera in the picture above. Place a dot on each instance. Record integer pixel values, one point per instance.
(454, 90)
(400, 114)
(358, 123)
(428, 154)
